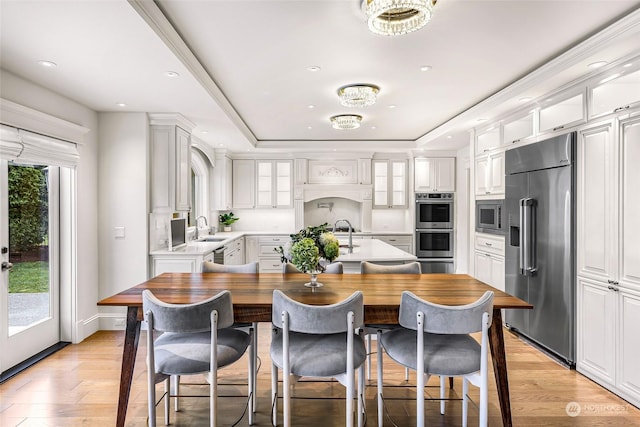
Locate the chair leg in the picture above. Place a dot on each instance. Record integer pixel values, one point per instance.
(361, 403)
(213, 398)
(286, 398)
(368, 356)
(151, 397)
(252, 374)
(380, 401)
(465, 400)
(274, 394)
(167, 400)
(176, 392)
(442, 384)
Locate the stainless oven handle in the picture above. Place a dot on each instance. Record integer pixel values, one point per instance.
(527, 251)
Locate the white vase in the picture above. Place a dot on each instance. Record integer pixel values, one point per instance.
(227, 228)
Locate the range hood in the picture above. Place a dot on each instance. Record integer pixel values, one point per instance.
(361, 193)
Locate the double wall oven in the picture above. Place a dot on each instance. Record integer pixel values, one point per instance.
(434, 232)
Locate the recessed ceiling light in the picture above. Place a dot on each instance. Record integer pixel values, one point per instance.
(121, 104)
(392, 106)
(311, 106)
(47, 64)
(309, 127)
(313, 68)
(220, 145)
(628, 64)
(482, 120)
(525, 99)
(597, 64)
(204, 132)
(373, 128)
(426, 68)
(171, 74)
(449, 136)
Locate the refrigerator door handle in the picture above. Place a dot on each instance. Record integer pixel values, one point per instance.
(527, 250)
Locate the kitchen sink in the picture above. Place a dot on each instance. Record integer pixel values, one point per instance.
(211, 239)
(346, 245)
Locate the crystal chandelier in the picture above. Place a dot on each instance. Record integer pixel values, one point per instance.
(360, 95)
(395, 17)
(346, 121)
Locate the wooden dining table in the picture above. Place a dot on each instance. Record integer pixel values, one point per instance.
(252, 296)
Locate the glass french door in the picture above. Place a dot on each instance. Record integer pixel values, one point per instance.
(29, 285)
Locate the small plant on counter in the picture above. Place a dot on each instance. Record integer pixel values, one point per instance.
(227, 218)
(308, 247)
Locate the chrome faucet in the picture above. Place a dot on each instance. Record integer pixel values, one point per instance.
(205, 223)
(350, 232)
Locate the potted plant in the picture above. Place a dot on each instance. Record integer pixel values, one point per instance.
(307, 250)
(227, 219)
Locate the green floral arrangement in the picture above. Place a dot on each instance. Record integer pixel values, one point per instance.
(308, 247)
(227, 218)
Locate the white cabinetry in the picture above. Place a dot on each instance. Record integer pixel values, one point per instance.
(608, 255)
(567, 112)
(615, 95)
(274, 184)
(178, 263)
(435, 174)
(488, 140)
(518, 128)
(489, 260)
(244, 182)
(251, 248)
(389, 183)
(401, 241)
(234, 252)
(268, 258)
(490, 174)
(170, 169)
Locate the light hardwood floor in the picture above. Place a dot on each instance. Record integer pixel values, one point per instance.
(78, 386)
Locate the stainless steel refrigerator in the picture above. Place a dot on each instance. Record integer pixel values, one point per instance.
(539, 264)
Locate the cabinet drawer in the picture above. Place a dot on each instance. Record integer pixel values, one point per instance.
(490, 243)
(270, 265)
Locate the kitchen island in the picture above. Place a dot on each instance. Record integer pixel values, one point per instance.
(372, 250)
(189, 259)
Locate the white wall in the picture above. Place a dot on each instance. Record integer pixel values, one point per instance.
(462, 213)
(25, 93)
(123, 202)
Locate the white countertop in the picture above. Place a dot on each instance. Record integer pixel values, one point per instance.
(365, 250)
(372, 250)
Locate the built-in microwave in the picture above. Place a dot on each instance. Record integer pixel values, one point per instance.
(489, 217)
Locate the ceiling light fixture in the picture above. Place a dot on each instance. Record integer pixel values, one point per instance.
(172, 74)
(346, 121)
(426, 68)
(395, 17)
(597, 64)
(359, 95)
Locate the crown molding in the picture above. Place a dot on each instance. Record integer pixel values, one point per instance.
(19, 116)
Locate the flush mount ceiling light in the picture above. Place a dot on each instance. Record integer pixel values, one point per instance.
(360, 95)
(395, 17)
(346, 121)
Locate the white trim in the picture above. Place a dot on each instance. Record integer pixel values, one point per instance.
(171, 119)
(29, 119)
(625, 27)
(153, 16)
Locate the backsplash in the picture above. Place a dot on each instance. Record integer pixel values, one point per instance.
(331, 209)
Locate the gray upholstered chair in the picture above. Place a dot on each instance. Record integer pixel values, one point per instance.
(434, 339)
(212, 267)
(367, 267)
(317, 341)
(196, 338)
(333, 268)
(252, 268)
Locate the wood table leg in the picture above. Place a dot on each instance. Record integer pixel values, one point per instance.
(131, 338)
(496, 343)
